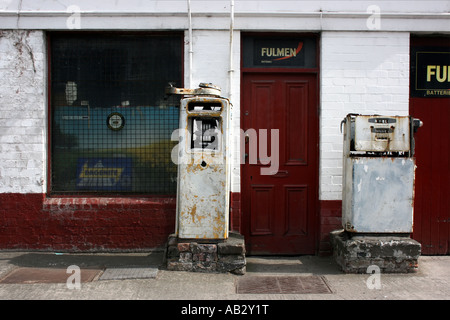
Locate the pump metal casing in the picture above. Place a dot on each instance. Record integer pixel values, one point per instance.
(378, 174)
(203, 171)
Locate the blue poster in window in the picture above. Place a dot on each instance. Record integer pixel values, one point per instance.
(104, 174)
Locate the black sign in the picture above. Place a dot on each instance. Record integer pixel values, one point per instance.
(430, 72)
(295, 52)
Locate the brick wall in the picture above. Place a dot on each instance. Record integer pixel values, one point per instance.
(330, 219)
(22, 111)
(34, 222)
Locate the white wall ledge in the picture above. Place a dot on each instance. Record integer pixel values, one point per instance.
(256, 21)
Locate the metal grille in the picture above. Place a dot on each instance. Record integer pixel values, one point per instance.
(282, 285)
(111, 124)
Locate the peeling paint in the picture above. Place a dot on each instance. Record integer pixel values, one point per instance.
(378, 174)
(203, 175)
(380, 198)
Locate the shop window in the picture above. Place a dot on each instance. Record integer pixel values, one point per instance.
(111, 122)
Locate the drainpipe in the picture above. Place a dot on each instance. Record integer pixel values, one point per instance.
(231, 70)
(230, 97)
(191, 51)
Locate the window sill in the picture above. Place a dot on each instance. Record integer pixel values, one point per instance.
(89, 203)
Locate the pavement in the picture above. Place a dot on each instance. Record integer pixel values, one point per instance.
(141, 276)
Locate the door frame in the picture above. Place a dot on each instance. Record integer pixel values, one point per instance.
(428, 229)
(300, 71)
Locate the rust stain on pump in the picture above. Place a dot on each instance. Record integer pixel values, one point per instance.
(193, 212)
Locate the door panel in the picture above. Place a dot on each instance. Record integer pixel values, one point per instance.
(279, 114)
(296, 137)
(263, 199)
(296, 201)
(432, 185)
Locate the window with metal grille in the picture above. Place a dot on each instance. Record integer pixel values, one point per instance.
(111, 122)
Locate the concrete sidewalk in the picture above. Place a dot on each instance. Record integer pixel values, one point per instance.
(135, 276)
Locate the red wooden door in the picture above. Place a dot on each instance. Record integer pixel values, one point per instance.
(279, 208)
(432, 187)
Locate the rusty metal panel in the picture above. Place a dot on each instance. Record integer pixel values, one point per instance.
(203, 175)
(382, 133)
(379, 194)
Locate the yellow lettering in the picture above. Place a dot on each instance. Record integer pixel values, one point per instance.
(279, 52)
(430, 71)
(101, 172)
(438, 73)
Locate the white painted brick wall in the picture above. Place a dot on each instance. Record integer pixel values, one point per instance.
(22, 111)
(210, 58)
(361, 72)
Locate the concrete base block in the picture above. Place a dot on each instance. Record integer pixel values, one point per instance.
(354, 253)
(206, 256)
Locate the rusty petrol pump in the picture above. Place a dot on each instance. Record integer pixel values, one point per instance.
(377, 194)
(201, 240)
(202, 199)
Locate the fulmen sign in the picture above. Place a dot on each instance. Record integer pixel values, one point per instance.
(276, 53)
(279, 52)
(430, 73)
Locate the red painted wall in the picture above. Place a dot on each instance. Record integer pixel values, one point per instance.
(35, 222)
(330, 219)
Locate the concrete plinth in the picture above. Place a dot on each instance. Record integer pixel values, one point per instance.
(206, 256)
(354, 253)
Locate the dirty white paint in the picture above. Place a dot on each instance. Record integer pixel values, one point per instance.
(381, 133)
(382, 199)
(378, 189)
(23, 137)
(203, 174)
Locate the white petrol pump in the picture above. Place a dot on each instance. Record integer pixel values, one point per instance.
(203, 171)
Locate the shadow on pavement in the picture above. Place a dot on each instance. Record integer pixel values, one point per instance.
(87, 260)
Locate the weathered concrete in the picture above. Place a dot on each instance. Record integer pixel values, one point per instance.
(392, 254)
(430, 282)
(197, 256)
